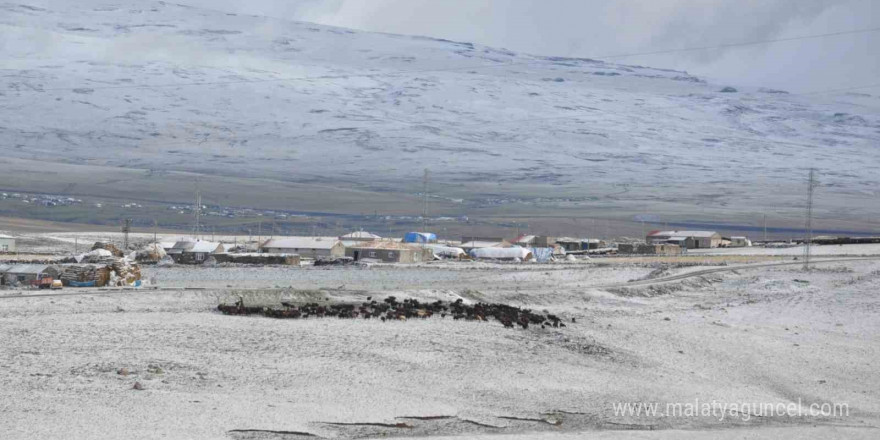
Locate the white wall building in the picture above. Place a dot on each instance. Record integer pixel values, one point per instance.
(7, 243)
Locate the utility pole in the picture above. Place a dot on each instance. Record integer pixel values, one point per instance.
(808, 227)
(75, 245)
(765, 227)
(126, 227)
(425, 211)
(198, 212)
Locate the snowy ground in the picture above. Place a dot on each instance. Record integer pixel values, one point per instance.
(795, 251)
(775, 335)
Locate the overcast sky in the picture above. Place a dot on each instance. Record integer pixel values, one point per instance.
(603, 28)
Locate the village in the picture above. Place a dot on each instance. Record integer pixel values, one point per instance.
(439, 220)
(117, 264)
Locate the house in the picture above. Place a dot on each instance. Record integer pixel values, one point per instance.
(306, 247)
(23, 274)
(739, 241)
(7, 243)
(389, 252)
(579, 244)
(689, 239)
(194, 252)
(649, 249)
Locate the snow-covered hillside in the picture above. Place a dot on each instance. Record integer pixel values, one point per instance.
(163, 87)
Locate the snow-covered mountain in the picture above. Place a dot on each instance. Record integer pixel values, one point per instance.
(152, 88)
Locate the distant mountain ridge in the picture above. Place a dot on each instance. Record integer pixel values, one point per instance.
(168, 88)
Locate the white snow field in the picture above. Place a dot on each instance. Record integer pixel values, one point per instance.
(773, 335)
(139, 99)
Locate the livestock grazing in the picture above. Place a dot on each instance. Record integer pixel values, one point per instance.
(392, 309)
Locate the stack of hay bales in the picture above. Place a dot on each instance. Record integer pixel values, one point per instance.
(99, 256)
(102, 266)
(109, 247)
(126, 271)
(150, 254)
(86, 273)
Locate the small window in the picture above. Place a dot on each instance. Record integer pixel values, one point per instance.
(372, 254)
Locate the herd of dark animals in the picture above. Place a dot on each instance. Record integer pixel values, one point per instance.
(391, 308)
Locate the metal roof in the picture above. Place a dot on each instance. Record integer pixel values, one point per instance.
(200, 246)
(360, 235)
(206, 247)
(28, 269)
(485, 244)
(699, 234)
(384, 244)
(300, 243)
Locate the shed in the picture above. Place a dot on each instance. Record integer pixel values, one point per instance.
(306, 247)
(7, 243)
(28, 273)
(695, 239)
(389, 252)
(3, 269)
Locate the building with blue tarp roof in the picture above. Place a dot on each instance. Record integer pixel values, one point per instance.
(420, 237)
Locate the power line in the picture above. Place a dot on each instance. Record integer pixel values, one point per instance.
(808, 226)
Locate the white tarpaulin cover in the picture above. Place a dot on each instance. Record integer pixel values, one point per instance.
(510, 253)
(542, 255)
(447, 251)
